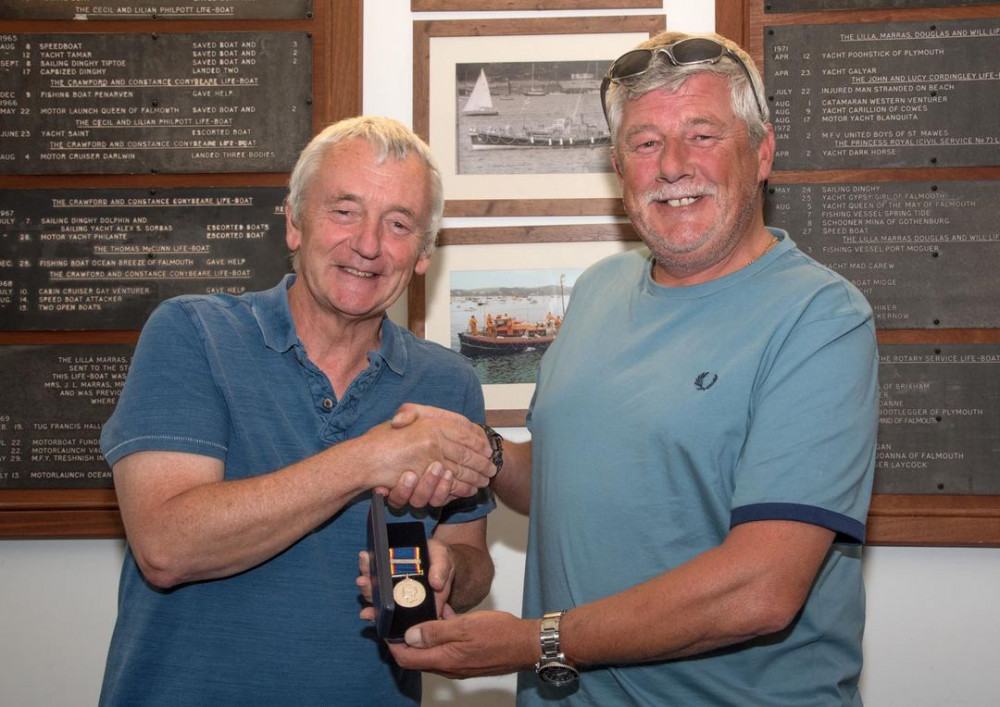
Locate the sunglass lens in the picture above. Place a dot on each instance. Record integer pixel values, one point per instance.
(696, 50)
(631, 63)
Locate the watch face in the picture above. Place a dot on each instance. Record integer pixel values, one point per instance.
(557, 674)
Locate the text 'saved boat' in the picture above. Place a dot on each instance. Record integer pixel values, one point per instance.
(506, 335)
(563, 133)
(480, 101)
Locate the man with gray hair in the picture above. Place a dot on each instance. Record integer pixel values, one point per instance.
(703, 434)
(252, 430)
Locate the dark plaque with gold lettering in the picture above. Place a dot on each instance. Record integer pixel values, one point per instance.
(925, 254)
(55, 400)
(939, 419)
(160, 102)
(155, 10)
(401, 593)
(898, 94)
(103, 259)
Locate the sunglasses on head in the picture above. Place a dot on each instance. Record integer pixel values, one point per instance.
(686, 52)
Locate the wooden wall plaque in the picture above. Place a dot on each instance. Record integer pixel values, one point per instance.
(929, 291)
(307, 53)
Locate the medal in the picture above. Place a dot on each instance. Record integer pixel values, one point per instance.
(409, 593)
(405, 562)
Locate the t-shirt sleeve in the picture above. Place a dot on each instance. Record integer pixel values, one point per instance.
(810, 454)
(170, 401)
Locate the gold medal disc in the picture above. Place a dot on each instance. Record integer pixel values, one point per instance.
(409, 593)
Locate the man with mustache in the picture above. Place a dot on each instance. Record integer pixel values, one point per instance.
(252, 430)
(703, 434)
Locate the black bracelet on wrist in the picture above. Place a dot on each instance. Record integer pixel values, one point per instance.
(496, 444)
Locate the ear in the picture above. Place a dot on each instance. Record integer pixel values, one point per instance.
(423, 262)
(765, 155)
(616, 165)
(293, 236)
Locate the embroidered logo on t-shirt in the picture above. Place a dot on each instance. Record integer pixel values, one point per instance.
(702, 382)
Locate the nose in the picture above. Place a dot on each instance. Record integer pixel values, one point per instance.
(675, 162)
(367, 241)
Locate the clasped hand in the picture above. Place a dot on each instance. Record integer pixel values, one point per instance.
(434, 455)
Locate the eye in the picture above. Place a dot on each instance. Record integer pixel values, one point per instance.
(645, 145)
(708, 132)
(344, 214)
(400, 228)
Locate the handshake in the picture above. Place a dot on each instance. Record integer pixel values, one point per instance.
(426, 456)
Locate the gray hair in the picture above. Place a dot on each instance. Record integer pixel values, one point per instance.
(662, 75)
(387, 137)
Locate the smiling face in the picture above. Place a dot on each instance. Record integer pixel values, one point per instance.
(691, 181)
(360, 235)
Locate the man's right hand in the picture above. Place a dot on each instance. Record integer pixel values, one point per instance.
(442, 456)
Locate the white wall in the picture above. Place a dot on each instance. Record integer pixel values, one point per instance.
(933, 622)
(933, 615)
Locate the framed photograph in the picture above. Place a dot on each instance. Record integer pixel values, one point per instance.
(511, 108)
(501, 307)
(466, 5)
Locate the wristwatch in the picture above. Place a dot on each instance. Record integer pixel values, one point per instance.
(553, 667)
(496, 444)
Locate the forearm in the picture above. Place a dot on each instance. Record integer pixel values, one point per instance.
(670, 616)
(513, 484)
(752, 585)
(219, 528)
(186, 523)
(660, 620)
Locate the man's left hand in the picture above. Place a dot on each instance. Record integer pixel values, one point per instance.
(480, 643)
(440, 576)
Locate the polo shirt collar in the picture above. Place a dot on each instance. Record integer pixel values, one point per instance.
(393, 347)
(274, 317)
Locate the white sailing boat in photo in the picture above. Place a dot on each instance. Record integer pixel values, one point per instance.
(573, 130)
(480, 102)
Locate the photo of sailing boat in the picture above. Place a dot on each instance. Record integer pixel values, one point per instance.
(480, 101)
(546, 118)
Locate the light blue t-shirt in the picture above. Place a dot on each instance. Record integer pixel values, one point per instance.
(227, 377)
(662, 417)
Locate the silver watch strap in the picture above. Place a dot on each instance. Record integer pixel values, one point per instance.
(549, 634)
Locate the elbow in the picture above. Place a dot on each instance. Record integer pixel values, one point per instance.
(158, 566)
(521, 506)
(490, 575)
(482, 589)
(775, 620)
(773, 612)
(157, 577)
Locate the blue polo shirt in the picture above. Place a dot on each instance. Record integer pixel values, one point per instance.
(227, 377)
(750, 397)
